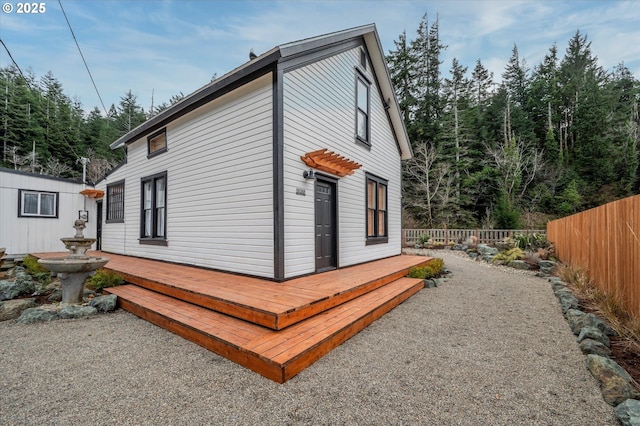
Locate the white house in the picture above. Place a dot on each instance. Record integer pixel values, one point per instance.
(288, 165)
(37, 210)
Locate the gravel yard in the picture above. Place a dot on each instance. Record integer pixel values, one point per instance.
(490, 346)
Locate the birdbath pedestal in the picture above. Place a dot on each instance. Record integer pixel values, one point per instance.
(74, 269)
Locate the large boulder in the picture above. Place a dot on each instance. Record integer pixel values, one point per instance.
(11, 309)
(487, 252)
(614, 380)
(76, 311)
(33, 315)
(628, 412)
(567, 301)
(547, 266)
(590, 346)
(108, 303)
(576, 320)
(519, 264)
(594, 334)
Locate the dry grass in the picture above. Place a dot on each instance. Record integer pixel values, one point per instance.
(610, 306)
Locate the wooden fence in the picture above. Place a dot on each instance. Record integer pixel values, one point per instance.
(483, 236)
(605, 241)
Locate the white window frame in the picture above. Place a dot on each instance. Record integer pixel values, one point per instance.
(22, 204)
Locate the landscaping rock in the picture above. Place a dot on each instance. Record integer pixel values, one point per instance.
(75, 311)
(56, 295)
(22, 285)
(547, 266)
(473, 254)
(576, 320)
(628, 412)
(558, 286)
(614, 380)
(430, 283)
(519, 264)
(555, 280)
(487, 252)
(590, 346)
(108, 303)
(567, 301)
(594, 334)
(11, 309)
(458, 247)
(33, 315)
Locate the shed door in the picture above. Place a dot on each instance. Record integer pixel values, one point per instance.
(326, 230)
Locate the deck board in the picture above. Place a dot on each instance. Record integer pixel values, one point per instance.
(276, 354)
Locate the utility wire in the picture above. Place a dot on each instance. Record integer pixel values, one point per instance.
(13, 60)
(81, 55)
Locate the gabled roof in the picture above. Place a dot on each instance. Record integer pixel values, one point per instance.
(264, 63)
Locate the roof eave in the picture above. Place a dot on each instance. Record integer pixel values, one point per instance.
(195, 98)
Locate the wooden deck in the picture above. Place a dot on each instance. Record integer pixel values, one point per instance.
(275, 329)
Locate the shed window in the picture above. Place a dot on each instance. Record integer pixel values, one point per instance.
(377, 220)
(153, 229)
(37, 204)
(115, 202)
(157, 143)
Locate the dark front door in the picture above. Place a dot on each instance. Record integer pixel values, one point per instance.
(326, 230)
(99, 225)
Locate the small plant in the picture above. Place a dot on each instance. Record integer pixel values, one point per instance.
(423, 239)
(103, 279)
(531, 241)
(32, 266)
(431, 270)
(509, 256)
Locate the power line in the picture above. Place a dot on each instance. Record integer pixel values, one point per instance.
(82, 56)
(13, 60)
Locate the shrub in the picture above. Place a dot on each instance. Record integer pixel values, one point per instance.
(103, 279)
(431, 270)
(509, 256)
(32, 266)
(532, 242)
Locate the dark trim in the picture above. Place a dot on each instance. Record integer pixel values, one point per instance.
(361, 77)
(225, 84)
(303, 59)
(377, 239)
(154, 240)
(161, 150)
(38, 216)
(333, 180)
(106, 193)
(36, 175)
(278, 175)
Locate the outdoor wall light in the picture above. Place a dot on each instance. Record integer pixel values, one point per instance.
(308, 174)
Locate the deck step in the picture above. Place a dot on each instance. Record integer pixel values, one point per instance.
(276, 354)
(278, 305)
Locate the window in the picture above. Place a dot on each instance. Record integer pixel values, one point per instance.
(37, 204)
(362, 110)
(157, 143)
(115, 202)
(376, 210)
(154, 212)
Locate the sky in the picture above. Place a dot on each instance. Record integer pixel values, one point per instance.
(160, 48)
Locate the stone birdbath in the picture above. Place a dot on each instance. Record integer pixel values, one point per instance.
(74, 269)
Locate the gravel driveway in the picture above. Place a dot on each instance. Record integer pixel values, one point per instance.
(490, 346)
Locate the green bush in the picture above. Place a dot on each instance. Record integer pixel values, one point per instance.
(509, 256)
(103, 279)
(431, 270)
(32, 266)
(532, 242)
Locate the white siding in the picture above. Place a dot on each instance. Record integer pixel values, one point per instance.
(319, 112)
(219, 186)
(22, 235)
